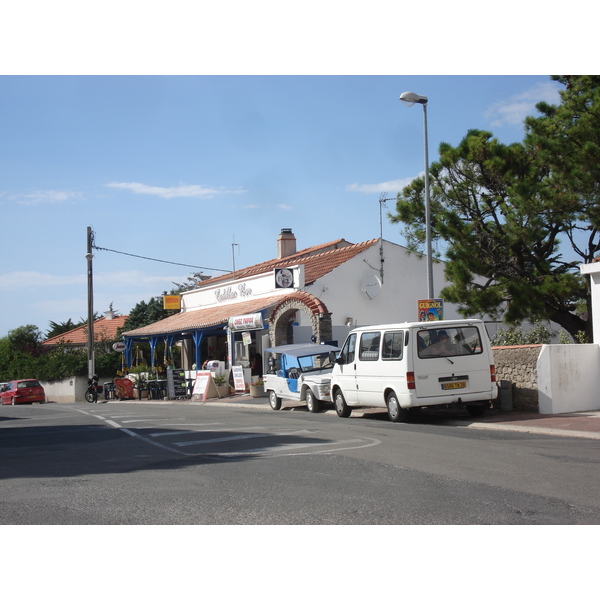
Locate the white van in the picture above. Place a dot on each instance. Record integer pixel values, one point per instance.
(412, 365)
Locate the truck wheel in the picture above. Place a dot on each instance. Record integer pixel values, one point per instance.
(311, 402)
(395, 411)
(274, 401)
(341, 408)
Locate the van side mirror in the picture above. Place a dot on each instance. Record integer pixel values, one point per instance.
(334, 360)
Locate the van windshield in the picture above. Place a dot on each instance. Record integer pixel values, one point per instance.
(448, 341)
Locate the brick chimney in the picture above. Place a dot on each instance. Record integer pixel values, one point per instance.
(286, 243)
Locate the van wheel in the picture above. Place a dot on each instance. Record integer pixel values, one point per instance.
(475, 410)
(395, 411)
(311, 402)
(274, 401)
(341, 408)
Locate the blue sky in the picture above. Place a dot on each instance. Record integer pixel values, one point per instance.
(181, 168)
(193, 132)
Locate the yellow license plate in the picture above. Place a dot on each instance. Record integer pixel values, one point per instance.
(454, 385)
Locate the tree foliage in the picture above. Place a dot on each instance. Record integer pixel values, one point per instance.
(502, 211)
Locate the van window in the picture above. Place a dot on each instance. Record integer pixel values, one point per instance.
(393, 343)
(369, 345)
(448, 341)
(347, 353)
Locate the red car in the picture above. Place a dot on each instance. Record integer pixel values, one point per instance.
(22, 391)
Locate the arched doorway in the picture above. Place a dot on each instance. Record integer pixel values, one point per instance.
(280, 322)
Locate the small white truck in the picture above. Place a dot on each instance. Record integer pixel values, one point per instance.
(300, 372)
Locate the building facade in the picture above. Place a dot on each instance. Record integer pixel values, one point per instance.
(317, 294)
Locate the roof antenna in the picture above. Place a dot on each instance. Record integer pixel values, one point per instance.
(233, 253)
(382, 201)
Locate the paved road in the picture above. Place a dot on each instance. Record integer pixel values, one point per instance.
(120, 463)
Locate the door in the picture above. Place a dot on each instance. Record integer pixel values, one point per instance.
(346, 376)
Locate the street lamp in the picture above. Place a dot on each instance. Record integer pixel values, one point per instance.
(411, 98)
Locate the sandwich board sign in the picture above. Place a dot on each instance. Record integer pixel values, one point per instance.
(204, 387)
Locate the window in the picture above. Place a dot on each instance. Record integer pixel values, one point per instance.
(393, 344)
(369, 345)
(347, 353)
(448, 341)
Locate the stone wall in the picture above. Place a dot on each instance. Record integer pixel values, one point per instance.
(518, 365)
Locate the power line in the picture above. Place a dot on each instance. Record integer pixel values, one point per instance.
(159, 260)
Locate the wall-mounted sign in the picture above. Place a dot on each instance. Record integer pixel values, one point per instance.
(172, 302)
(284, 278)
(431, 310)
(246, 322)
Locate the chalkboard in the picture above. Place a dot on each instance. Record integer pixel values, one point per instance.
(176, 383)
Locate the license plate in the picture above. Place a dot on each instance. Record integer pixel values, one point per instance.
(454, 385)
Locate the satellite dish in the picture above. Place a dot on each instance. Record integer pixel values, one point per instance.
(370, 286)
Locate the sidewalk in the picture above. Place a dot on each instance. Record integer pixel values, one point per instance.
(579, 425)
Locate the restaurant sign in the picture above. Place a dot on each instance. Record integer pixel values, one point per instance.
(246, 322)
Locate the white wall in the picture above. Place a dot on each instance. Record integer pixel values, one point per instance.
(66, 390)
(568, 378)
(593, 270)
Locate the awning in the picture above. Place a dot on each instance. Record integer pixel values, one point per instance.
(203, 318)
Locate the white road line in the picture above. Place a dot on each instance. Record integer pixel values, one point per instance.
(234, 438)
(292, 449)
(190, 431)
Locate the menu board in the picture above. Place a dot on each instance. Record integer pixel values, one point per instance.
(176, 383)
(238, 378)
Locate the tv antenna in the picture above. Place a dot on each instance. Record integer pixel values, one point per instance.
(382, 201)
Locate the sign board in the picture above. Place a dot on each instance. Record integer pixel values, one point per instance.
(238, 378)
(246, 322)
(119, 346)
(204, 386)
(431, 310)
(176, 383)
(172, 302)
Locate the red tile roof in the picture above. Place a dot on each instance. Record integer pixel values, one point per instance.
(104, 329)
(317, 260)
(204, 317)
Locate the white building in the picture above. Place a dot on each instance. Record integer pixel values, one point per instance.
(316, 294)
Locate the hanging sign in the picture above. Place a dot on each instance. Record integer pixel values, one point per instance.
(246, 322)
(431, 310)
(118, 346)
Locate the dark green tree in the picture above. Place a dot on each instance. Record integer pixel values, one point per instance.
(60, 328)
(500, 217)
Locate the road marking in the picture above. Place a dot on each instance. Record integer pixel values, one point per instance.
(234, 438)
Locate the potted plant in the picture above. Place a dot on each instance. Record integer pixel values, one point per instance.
(257, 389)
(139, 376)
(221, 385)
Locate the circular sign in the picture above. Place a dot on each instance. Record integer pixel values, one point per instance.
(118, 346)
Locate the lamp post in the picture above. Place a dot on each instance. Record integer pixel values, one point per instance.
(411, 98)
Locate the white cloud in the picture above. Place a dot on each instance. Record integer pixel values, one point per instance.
(45, 197)
(284, 207)
(393, 187)
(181, 191)
(514, 110)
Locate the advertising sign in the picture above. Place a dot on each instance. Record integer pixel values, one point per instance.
(238, 378)
(172, 302)
(431, 310)
(246, 322)
(118, 346)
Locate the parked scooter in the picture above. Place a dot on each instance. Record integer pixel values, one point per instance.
(94, 389)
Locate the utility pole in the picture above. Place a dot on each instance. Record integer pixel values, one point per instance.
(90, 284)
